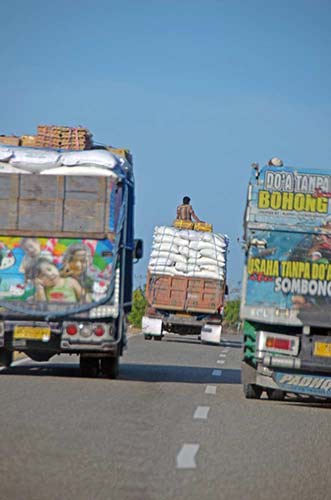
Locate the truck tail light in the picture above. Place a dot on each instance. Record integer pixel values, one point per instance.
(269, 342)
(71, 329)
(275, 343)
(99, 330)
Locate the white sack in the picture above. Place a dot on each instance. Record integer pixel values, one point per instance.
(179, 258)
(181, 242)
(181, 266)
(211, 253)
(163, 238)
(187, 252)
(170, 270)
(165, 247)
(79, 170)
(156, 254)
(90, 157)
(161, 262)
(6, 168)
(191, 268)
(205, 261)
(164, 230)
(5, 153)
(212, 246)
(24, 157)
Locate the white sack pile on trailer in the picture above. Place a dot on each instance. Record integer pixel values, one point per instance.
(180, 252)
(52, 162)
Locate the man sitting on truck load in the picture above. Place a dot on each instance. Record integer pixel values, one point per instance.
(185, 211)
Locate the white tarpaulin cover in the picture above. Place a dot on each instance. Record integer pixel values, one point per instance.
(38, 160)
(180, 252)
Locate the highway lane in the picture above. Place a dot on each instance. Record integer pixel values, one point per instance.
(174, 425)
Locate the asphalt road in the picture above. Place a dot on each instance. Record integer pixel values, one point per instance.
(174, 425)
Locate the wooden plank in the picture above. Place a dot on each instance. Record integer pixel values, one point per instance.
(85, 188)
(39, 215)
(55, 234)
(41, 187)
(8, 214)
(9, 186)
(80, 215)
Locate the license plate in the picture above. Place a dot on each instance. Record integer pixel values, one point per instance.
(322, 349)
(32, 333)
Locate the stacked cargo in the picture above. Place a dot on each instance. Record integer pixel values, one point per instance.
(10, 140)
(194, 254)
(59, 137)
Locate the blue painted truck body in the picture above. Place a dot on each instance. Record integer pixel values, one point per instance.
(286, 294)
(66, 260)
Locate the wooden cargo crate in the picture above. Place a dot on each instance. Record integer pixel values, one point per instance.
(188, 295)
(10, 140)
(28, 140)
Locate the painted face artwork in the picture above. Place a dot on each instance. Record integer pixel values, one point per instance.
(54, 270)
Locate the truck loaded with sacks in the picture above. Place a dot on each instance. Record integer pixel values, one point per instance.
(186, 283)
(286, 295)
(66, 253)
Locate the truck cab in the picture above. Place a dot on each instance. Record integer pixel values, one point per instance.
(286, 295)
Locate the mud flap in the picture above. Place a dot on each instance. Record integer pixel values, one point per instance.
(211, 334)
(152, 326)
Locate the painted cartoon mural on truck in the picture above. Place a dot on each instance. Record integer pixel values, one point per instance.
(54, 270)
(287, 276)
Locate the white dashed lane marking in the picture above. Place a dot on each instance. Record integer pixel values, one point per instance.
(186, 456)
(217, 373)
(222, 355)
(220, 361)
(201, 412)
(210, 389)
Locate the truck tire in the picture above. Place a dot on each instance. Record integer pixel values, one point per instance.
(6, 358)
(157, 337)
(89, 367)
(252, 391)
(110, 367)
(147, 336)
(275, 394)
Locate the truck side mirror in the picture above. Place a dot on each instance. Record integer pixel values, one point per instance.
(138, 251)
(226, 292)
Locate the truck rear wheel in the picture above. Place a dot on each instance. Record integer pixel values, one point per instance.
(89, 367)
(110, 367)
(275, 394)
(252, 391)
(6, 357)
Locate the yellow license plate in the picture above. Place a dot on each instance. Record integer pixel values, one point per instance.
(32, 333)
(322, 349)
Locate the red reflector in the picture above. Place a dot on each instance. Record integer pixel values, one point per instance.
(99, 331)
(276, 343)
(72, 329)
(282, 344)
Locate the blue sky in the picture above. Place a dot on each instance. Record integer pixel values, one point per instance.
(197, 89)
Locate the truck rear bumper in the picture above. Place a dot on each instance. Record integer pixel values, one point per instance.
(292, 381)
(297, 383)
